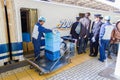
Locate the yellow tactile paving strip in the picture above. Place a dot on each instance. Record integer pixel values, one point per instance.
(24, 73)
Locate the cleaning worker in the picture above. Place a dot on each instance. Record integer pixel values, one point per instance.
(104, 37)
(37, 35)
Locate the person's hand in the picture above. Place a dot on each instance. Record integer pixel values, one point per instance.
(54, 31)
(85, 36)
(113, 38)
(93, 39)
(69, 35)
(100, 42)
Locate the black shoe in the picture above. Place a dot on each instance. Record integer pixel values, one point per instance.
(100, 60)
(79, 53)
(93, 56)
(90, 55)
(109, 57)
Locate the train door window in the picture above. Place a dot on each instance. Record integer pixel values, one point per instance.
(28, 19)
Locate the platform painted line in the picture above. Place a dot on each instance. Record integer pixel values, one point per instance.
(1, 77)
(35, 75)
(22, 74)
(8, 76)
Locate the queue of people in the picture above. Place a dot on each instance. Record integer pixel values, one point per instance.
(102, 35)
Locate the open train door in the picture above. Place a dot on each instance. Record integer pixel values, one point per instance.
(28, 19)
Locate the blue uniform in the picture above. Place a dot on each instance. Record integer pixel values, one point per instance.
(104, 39)
(95, 33)
(37, 38)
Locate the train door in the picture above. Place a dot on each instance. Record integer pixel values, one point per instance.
(28, 19)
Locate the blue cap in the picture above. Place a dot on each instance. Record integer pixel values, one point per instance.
(107, 17)
(101, 17)
(77, 18)
(97, 15)
(42, 18)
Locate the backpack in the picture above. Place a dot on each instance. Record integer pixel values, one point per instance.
(78, 28)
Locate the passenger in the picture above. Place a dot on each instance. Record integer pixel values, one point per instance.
(74, 25)
(104, 37)
(75, 33)
(82, 33)
(94, 36)
(86, 22)
(111, 47)
(115, 37)
(37, 36)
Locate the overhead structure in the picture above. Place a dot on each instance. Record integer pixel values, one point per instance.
(90, 4)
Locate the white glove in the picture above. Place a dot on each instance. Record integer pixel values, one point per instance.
(54, 31)
(69, 35)
(93, 39)
(99, 42)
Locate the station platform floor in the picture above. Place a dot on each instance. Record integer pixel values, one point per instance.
(82, 67)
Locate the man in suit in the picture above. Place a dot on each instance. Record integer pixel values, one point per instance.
(78, 32)
(74, 25)
(94, 42)
(86, 22)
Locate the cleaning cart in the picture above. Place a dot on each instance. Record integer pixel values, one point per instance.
(57, 54)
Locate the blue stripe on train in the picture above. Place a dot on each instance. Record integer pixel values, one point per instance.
(16, 46)
(18, 54)
(4, 48)
(3, 57)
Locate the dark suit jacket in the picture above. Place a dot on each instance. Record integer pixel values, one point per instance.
(73, 32)
(96, 29)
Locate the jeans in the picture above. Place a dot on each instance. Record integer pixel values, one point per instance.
(80, 47)
(37, 45)
(103, 46)
(85, 42)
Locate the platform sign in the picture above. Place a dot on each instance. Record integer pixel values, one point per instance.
(117, 68)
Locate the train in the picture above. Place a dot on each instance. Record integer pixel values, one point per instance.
(21, 16)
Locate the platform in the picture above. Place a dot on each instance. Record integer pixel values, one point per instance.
(82, 67)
